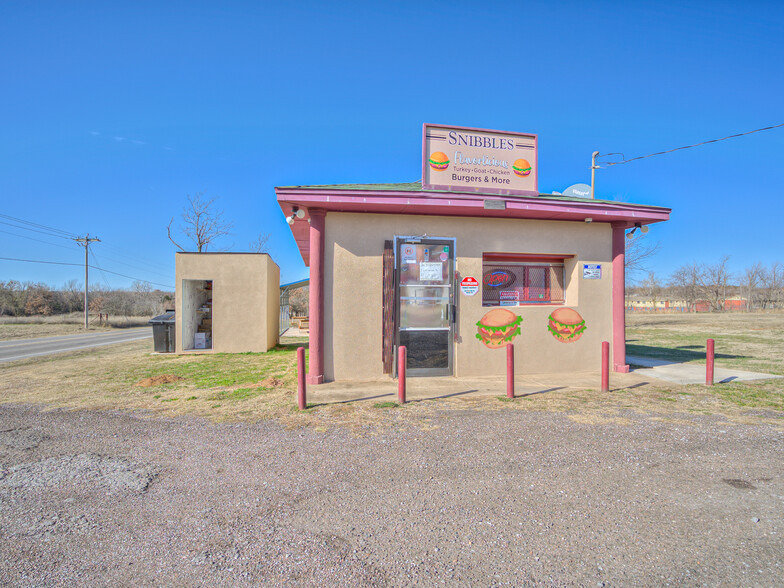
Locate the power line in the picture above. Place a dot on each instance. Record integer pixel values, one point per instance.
(34, 239)
(39, 261)
(54, 232)
(26, 225)
(36, 230)
(121, 253)
(103, 275)
(690, 146)
(125, 263)
(130, 277)
(91, 266)
(40, 226)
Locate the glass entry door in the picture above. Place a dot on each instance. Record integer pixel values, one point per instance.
(425, 304)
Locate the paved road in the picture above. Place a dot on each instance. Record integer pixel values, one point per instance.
(24, 348)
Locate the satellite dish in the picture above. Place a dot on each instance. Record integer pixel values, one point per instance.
(578, 191)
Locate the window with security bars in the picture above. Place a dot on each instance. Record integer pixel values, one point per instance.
(513, 283)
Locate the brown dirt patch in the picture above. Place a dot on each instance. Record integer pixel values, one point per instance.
(272, 382)
(158, 380)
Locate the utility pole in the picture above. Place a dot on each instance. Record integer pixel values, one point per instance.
(594, 167)
(85, 242)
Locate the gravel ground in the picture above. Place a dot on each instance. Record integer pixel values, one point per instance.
(482, 498)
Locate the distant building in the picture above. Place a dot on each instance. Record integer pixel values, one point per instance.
(733, 304)
(636, 303)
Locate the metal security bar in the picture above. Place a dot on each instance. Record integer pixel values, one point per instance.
(512, 284)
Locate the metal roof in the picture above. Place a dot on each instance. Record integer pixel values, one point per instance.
(295, 285)
(163, 319)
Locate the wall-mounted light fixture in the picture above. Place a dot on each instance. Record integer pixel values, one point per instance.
(642, 228)
(296, 213)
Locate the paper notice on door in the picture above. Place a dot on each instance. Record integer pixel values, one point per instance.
(431, 271)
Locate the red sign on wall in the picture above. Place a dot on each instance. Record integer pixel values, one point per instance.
(469, 286)
(509, 297)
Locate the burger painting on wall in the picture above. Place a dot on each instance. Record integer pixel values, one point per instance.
(566, 325)
(498, 328)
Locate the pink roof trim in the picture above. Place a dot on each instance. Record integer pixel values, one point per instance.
(456, 204)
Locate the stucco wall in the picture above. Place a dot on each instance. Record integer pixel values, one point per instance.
(192, 297)
(353, 292)
(245, 294)
(273, 304)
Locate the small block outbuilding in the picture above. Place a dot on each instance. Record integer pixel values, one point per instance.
(226, 302)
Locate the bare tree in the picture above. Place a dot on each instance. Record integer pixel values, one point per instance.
(773, 281)
(714, 280)
(261, 244)
(74, 295)
(201, 223)
(686, 283)
(298, 301)
(638, 254)
(652, 288)
(752, 278)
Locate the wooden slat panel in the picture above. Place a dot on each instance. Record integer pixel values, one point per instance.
(388, 327)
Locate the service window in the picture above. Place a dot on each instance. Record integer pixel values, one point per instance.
(514, 279)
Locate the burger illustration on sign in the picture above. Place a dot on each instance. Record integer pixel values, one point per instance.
(566, 325)
(498, 328)
(438, 161)
(521, 168)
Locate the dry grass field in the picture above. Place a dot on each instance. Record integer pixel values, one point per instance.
(749, 341)
(257, 386)
(30, 327)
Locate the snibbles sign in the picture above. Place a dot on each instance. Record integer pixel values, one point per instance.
(463, 159)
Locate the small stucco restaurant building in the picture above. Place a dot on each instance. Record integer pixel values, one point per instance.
(459, 265)
(226, 302)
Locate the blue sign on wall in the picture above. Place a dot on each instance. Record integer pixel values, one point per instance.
(592, 271)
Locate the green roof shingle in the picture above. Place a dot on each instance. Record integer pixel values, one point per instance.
(417, 187)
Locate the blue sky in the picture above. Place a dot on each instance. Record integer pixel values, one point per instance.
(112, 113)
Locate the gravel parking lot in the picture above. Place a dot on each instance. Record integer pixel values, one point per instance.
(478, 498)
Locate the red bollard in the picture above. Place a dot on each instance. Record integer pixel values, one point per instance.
(605, 366)
(709, 363)
(401, 374)
(301, 398)
(510, 371)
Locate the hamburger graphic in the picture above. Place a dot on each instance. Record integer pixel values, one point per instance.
(438, 161)
(521, 168)
(566, 325)
(498, 327)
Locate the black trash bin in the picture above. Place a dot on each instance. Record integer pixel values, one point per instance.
(163, 332)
